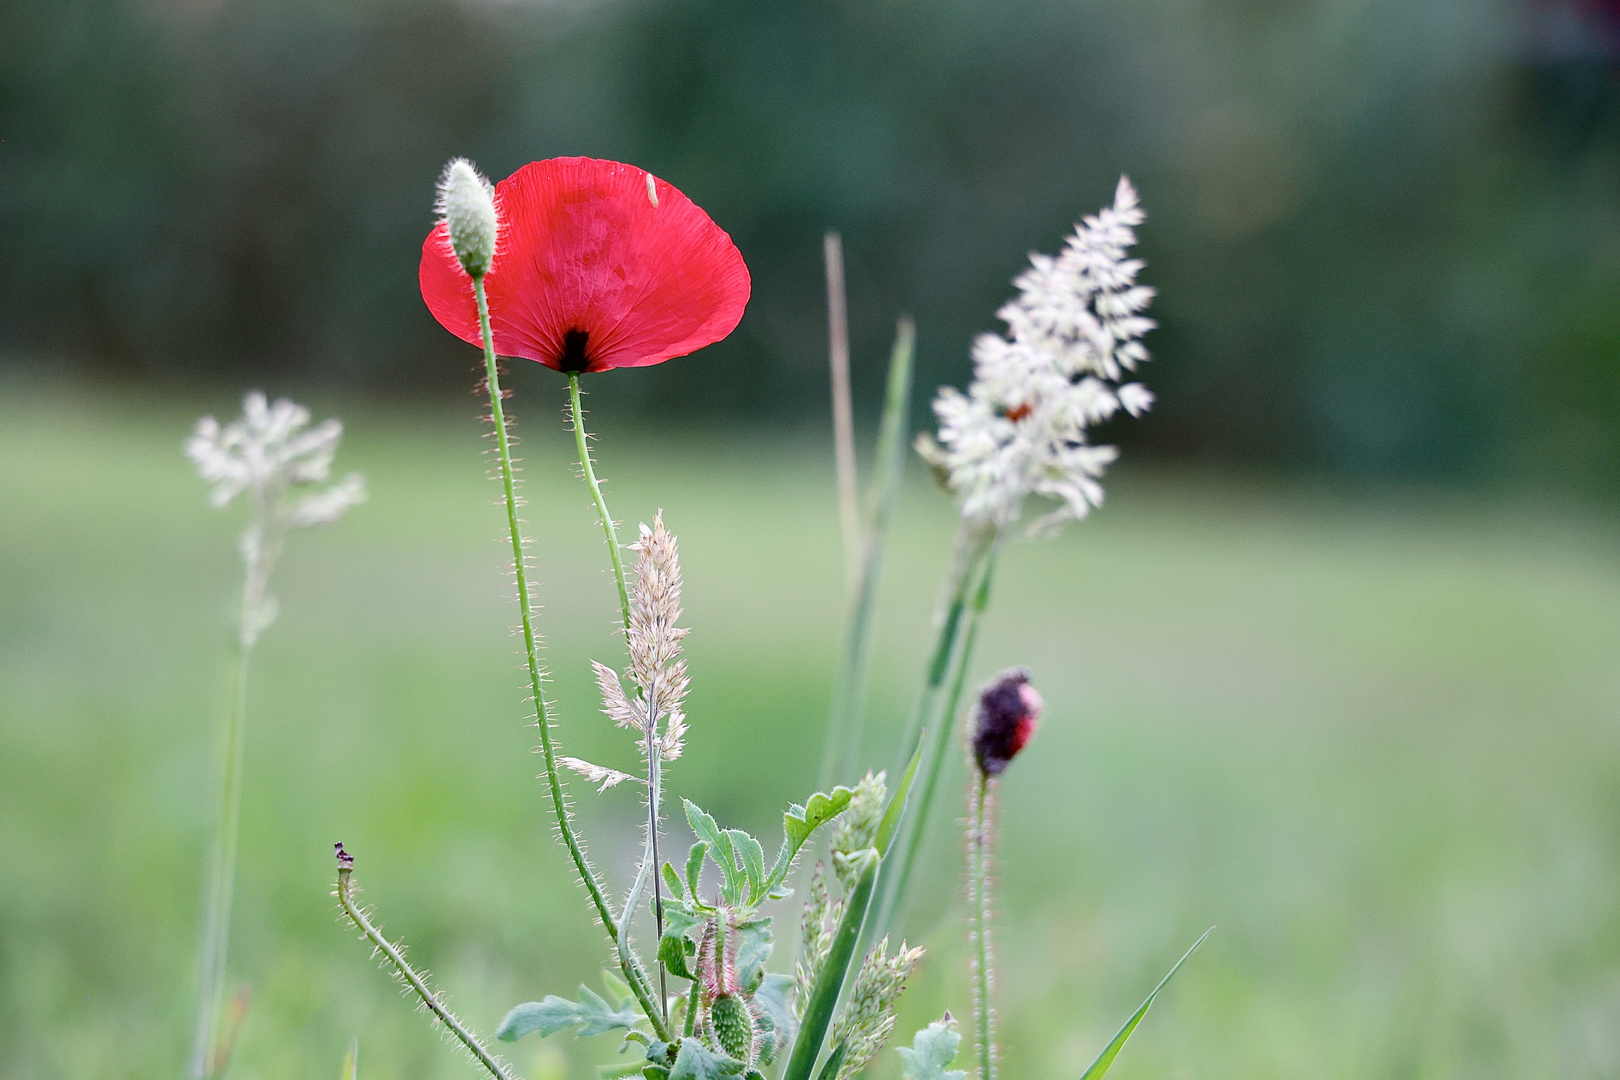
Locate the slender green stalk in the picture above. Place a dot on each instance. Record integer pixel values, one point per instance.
(582, 441)
(847, 714)
(979, 841)
(832, 250)
(559, 803)
(934, 717)
(413, 979)
(222, 871)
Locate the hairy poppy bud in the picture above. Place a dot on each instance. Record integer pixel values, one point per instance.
(1008, 711)
(467, 205)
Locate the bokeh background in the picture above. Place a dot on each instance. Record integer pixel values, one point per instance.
(1337, 669)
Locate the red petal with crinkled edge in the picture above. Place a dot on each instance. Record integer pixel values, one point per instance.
(583, 250)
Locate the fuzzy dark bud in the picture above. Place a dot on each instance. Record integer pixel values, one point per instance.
(1009, 708)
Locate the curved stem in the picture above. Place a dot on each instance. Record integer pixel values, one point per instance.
(979, 854)
(581, 440)
(559, 804)
(412, 978)
(610, 530)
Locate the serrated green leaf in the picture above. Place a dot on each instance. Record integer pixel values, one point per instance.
(753, 949)
(720, 851)
(1117, 1043)
(697, 1062)
(753, 861)
(694, 866)
(673, 881)
(552, 1014)
(797, 825)
(932, 1049)
(799, 822)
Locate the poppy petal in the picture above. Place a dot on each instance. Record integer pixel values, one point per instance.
(590, 273)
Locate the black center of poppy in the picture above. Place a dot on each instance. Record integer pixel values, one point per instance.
(573, 356)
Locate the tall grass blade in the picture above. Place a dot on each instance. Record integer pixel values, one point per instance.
(818, 1013)
(1117, 1043)
(832, 250)
(847, 716)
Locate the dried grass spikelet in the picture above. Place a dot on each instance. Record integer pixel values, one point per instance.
(656, 670)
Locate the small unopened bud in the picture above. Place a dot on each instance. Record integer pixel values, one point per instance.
(466, 203)
(1009, 708)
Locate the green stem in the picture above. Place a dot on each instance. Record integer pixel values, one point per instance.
(979, 842)
(414, 979)
(222, 875)
(610, 530)
(559, 802)
(933, 718)
(582, 441)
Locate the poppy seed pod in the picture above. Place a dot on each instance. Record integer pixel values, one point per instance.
(466, 204)
(1009, 708)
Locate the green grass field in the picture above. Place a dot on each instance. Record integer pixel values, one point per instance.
(1376, 741)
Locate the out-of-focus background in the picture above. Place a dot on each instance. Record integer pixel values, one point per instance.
(1337, 668)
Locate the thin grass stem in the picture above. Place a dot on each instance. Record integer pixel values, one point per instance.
(222, 870)
(832, 249)
(847, 714)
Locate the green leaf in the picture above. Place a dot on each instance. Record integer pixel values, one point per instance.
(818, 1010)
(753, 949)
(830, 1067)
(553, 1014)
(720, 850)
(797, 825)
(1115, 1045)
(800, 821)
(753, 861)
(675, 946)
(351, 1061)
(932, 1049)
(694, 866)
(672, 880)
(695, 1061)
(774, 999)
(897, 802)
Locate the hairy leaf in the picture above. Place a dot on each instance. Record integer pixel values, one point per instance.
(753, 949)
(720, 850)
(552, 1014)
(774, 999)
(932, 1050)
(697, 1062)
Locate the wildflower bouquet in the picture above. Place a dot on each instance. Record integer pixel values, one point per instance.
(585, 266)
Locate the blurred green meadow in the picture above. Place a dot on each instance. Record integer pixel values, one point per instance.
(1373, 737)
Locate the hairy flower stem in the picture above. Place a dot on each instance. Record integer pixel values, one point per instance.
(935, 717)
(222, 873)
(559, 803)
(412, 978)
(980, 840)
(582, 441)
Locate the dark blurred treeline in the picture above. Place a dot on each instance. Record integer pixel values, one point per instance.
(1386, 232)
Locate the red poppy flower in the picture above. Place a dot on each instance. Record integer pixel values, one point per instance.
(598, 265)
